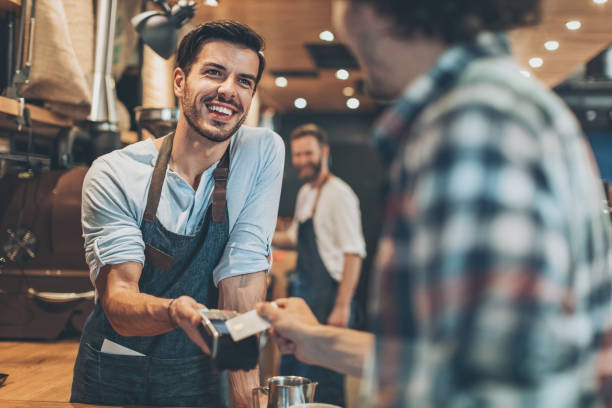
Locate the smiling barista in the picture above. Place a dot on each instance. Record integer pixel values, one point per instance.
(167, 231)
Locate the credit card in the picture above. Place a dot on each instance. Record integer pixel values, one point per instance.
(245, 325)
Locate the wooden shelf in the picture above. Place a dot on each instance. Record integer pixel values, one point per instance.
(9, 5)
(39, 115)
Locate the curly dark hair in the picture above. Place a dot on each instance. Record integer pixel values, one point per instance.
(226, 30)
(456, 21)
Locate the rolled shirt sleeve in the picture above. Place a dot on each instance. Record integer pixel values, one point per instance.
(248, 247)
(110, 230)
(347, 224)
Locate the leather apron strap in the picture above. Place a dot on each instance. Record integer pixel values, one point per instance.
(157, 180)
(220, 174)
(316, 202)
(219, 199)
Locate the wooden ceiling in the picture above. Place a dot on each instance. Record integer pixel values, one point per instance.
(575, 47)
(287, 25)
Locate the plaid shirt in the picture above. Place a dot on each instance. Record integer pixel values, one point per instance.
(493, 284)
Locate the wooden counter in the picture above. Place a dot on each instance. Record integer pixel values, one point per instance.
(53, 404)
(44, 404)
(38, 371)
(40, 374)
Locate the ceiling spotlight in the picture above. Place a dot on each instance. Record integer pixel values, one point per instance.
(211, 3)
(536, 62)
(525, 73)
(573, 25)
(591, 115)
(348, 91)
(300, 103)
(342, 74)
(352, 103)
(551, 45)
(281, 82)
(160, 30)
(600, 1)
(326, 36)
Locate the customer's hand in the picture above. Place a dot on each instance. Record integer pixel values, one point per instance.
(292, 321)
(184, 313)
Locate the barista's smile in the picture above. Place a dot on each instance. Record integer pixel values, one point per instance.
(220, 112)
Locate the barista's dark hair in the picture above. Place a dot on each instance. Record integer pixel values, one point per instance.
(454, 21)
(226, 30)
(310, 129)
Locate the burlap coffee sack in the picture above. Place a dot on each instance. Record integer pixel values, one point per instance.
(62, 53)
(64, 41)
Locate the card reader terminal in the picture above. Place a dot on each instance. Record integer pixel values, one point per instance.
(225, 352)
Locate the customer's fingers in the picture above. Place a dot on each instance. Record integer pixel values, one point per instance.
(285, 346)
(268, 311)
(282, 302)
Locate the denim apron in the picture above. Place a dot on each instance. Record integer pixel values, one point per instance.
(174, 371)
(316, 286)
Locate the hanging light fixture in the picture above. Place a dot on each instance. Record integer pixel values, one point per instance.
(159, 30)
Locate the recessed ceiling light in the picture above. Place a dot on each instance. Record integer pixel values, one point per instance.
(600, 1)
(342, 74)
(591, 115)
(551, 45)
(573, 25)
(536, 62)
(525, 73)
(352, 103)
(212, 3)
(281, 81)
(348, 91)
(300, 103)
(326, 36)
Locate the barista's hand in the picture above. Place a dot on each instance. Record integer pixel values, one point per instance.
(291, 320)
(339, 316)
(184, 313)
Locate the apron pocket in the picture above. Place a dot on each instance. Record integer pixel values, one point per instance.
(108, 379)
(188, 381)
(158, 258)
(123, 379)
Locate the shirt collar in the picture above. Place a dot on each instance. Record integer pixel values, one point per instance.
(391, 128)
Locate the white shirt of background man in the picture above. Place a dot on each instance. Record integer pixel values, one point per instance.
(337, 223)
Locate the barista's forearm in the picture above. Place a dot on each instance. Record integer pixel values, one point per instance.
(241, 293)
(138, 314)
(241, 384)
(350, 278)
(130, 312)
(339, 349)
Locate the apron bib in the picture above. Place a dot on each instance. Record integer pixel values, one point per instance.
(174, 371)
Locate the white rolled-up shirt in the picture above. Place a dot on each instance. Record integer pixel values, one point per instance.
(337, 222)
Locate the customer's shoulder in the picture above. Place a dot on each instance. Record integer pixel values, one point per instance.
(497, 88)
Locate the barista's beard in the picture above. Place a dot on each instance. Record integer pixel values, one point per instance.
(315, 173)
(211, 137)
(189, 112)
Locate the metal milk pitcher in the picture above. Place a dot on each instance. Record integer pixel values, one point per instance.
(285, 391)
